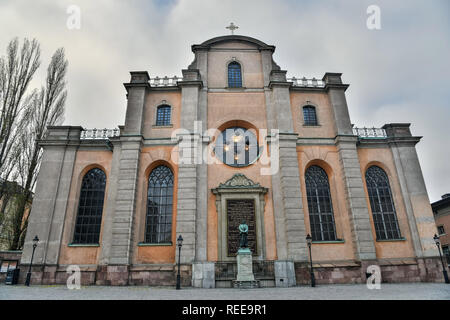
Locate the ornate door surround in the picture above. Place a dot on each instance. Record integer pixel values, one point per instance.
(239, 187)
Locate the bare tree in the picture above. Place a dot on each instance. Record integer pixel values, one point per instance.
(16, 71)
(46, 108)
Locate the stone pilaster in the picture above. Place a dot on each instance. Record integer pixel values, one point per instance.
(189, 175)
(52, 192)
(202, 167)
(292, 198)
(109, 213)
(290, 224)
(362, 237)
(131, 141)
(414, 193)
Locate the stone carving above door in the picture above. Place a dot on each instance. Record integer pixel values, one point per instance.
(239, 187)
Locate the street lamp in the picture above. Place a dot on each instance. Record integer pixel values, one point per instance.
(309, 242)
(180, 244)
(35, 243)
(436, 239)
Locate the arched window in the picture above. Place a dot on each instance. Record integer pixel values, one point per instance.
(158, 227)
(309, 116)
(234, 75)
(383, 209)
(90, 207)
(319, 205)
(163, 115)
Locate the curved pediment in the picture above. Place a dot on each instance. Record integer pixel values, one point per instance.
(233, 38)
(240, 182)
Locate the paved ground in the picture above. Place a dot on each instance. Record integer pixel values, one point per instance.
(411, 291)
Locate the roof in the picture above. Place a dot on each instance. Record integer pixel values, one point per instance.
(208, 43)
(440, 204)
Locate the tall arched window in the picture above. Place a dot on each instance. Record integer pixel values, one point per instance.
(158, 227)
(382, 205)
(309, 116)
(90, 207)
(319, 205)
(163, 115)
(234, 75)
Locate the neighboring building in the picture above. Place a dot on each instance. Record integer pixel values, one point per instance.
(441, 211)
(114, 202)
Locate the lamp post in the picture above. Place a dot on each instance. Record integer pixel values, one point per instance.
(180, 244)
(309, 242)
(35, 242)
(438, 244)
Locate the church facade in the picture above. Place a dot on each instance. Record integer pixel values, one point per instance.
(231, 140)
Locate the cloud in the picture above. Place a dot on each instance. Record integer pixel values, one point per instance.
(397, 74)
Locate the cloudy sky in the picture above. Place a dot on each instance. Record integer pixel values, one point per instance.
(400, 73)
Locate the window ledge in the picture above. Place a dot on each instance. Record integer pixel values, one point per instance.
(144, 244)
(162, 127)
(391, 240)
(84, 245)
(311, 125)
(236, 88)
(332, 241)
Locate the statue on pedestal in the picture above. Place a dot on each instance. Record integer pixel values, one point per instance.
(245, 277)
(243, 235)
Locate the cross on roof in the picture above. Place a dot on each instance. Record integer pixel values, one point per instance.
(232, 27)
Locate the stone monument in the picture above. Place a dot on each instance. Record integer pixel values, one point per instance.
(245, 277)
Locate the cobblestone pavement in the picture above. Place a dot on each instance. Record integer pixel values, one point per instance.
(409, 291)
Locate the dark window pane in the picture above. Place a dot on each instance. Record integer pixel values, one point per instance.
(234, 75)
(319, 205)
(163, 115)
(90, 207)
(309, 116)
(382, 205)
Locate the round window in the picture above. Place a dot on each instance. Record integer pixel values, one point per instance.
(237, 147)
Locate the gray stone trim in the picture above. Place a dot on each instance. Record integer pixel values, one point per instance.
(125, 207)
(362, 238)
(52, 192)
(110, 208)
(307, 89)
(291, 198)
(203, 275)
(231, 38)
(411, 182)
(301, 141)
(284, 274)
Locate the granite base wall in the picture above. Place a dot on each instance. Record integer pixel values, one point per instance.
(347, 272)
(392, 271)
(110, 275)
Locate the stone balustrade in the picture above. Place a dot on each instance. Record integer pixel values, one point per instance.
(99, 134)
(370, 133)
(165, 81)
(307, 83)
